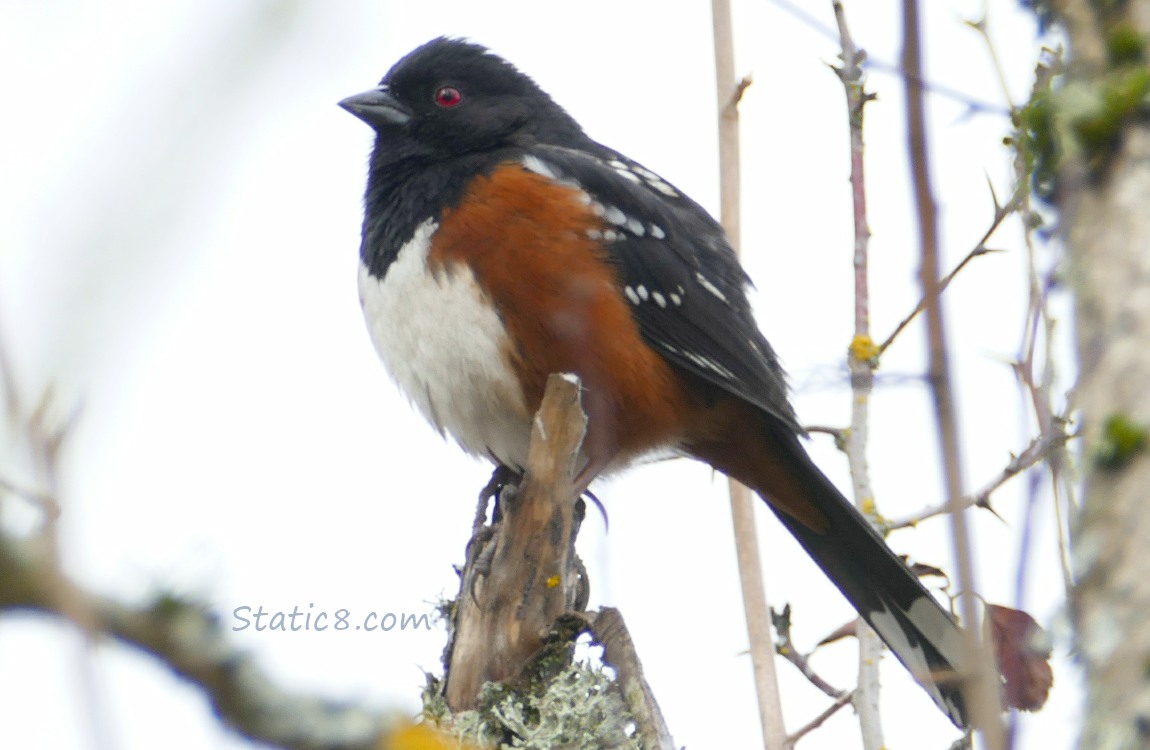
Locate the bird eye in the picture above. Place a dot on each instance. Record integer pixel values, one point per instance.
(448, 96)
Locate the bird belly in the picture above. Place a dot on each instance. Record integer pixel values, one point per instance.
(445, 346)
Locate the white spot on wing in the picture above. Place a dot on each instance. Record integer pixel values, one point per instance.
(538, 166)
(629, 175)
(709, 364)
(704, 362)
(642, 290)
(631, 295)
(534, 164)
(706, 284)
(657, 232)
(615, 216)
(635, 227)
(660, 300)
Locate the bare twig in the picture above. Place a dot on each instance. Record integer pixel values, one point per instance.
(861, 360)
(1038, 389)
(1039, 327)
(43, 501)
(973, 105)
(843, 700)
(619, 652)
(1039, 450)
(786, 648)
(190, 640)
(982, 27)
(8, 384)
(740, 89)
(980, 249)
(43, 437)
(755, 606)
(980, 688)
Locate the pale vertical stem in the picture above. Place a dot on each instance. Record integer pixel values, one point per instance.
(861, 361)
(762, 643)
(742, 507)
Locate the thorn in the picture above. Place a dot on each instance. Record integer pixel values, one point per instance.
(984, 503)
(979, 25)
(993, 196)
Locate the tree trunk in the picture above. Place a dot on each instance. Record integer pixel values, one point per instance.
(1105, 198)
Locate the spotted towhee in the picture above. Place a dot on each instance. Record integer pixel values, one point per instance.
(502, 244)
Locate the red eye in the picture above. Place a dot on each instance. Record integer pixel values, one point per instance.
(448, 96)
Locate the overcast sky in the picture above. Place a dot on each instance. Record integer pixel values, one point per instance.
(178, 252)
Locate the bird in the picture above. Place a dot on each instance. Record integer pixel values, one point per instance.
(501, 243)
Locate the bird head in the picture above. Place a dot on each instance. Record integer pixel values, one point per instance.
(449, 97)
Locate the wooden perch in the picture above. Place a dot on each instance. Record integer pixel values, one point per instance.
(619, 652)
(526, 578)
(521, 601)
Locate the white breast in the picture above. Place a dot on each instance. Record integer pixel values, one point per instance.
(444, 345)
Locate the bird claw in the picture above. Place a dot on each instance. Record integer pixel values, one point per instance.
(502, 478)
(480, 551)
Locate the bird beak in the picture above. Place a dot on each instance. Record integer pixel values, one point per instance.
(378, 108)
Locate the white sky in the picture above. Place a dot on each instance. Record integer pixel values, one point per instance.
(177, 256)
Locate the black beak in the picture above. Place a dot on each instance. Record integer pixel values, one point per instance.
(378, 108)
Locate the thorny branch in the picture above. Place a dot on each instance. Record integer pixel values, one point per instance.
(1039, 450)
(1001, 213)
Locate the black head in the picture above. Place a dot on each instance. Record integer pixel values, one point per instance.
(449, 97)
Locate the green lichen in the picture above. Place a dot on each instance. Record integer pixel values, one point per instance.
(435, 708)
(578, 709)
(1121, 96)
(1037, 141)
(1125, 45)
(1121, 441)
(1082, 119)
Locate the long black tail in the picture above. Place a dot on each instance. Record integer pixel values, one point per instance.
(917, 629)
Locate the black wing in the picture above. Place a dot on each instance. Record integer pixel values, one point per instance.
(687, 289)
(707, 328)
